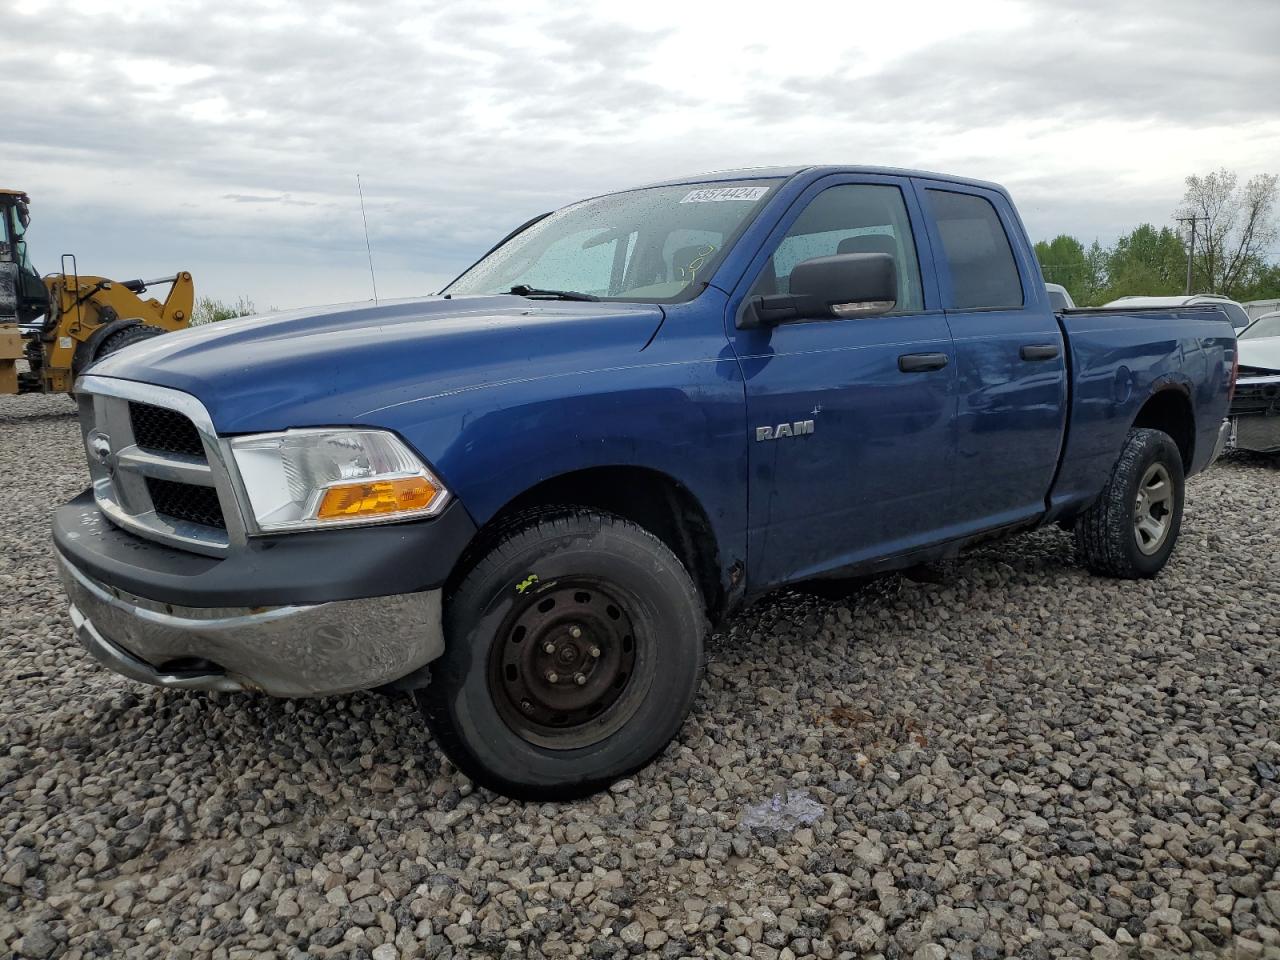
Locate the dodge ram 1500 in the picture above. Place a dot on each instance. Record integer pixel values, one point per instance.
(525, 500)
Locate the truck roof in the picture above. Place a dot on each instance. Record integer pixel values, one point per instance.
(12, 193)
(761, 173)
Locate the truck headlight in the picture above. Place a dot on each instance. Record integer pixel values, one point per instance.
(304, 479)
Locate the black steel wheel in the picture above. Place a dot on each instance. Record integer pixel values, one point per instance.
(561, 666)
(573, 652)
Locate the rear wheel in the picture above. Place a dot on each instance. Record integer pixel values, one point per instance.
(573, 653)
(1132, 528)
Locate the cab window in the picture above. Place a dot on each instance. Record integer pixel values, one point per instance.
(849, 218)
(984, 274)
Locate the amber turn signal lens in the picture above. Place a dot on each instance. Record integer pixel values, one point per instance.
(378, 497)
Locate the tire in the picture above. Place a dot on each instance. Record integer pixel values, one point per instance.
(1117, 535)
(123, 338)
(573, 653)
(35, 355)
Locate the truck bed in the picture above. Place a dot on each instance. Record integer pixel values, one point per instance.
(1117, 357)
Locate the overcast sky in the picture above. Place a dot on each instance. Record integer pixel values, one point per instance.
(224, 137)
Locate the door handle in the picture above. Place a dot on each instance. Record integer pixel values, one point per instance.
(1039, 351)
(921, 362)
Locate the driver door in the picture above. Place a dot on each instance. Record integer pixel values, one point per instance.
(851, 422)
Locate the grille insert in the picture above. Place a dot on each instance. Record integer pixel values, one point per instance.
(186, 501)
(167, 431)
(1263, 398)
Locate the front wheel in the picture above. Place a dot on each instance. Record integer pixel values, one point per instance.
(1131, 529)
(124, 338)
(573, 652)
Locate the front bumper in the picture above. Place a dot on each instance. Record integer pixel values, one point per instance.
(289, 651)
(282, 570)
(294, 615)
(1255, 413)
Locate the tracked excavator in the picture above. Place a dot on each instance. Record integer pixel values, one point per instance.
(62, 323)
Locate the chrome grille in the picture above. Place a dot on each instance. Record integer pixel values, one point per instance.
(186, 501)
(157, 466)
(1257, 395)
(168, 431)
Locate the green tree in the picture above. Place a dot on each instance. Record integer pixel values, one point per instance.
(1264, 285)
(1065, 260)
(1097, 258)
(1146, 262)
(1235, 227)
(209, 310)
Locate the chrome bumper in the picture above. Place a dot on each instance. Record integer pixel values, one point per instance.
(293, 651)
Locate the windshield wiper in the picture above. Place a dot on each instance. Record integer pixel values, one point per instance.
(524, 290)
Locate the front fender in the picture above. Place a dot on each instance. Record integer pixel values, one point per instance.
(683, 418)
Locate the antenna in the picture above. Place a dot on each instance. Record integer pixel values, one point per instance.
(368, 249)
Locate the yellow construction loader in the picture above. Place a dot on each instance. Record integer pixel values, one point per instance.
(62, 323)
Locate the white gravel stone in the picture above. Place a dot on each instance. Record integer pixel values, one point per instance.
(1017, 760)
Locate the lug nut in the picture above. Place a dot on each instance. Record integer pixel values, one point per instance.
(595, 652)
(580, 679)
(552, 676)
(548, 647)
(575, 631)
(526, 706)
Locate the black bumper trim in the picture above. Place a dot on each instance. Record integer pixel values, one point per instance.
(314, 567)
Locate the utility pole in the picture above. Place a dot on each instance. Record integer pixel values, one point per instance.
(1191, 246)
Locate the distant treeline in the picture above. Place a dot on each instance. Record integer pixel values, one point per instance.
(1235, 248)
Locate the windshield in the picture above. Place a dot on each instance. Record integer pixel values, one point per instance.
(655, 244)
(16, 230)
(1262, 327)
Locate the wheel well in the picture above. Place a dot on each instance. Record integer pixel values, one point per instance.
(1170, 411)
(647, 498)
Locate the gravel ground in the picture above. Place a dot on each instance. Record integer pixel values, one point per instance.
(1017, 760)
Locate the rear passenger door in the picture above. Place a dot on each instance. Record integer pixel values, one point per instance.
(1010, 357)
(849, 445)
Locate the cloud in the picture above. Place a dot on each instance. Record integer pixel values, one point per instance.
(225, 137)
(281, 198)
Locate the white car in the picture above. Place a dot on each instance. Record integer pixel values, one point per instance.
(1059, 297)
(1239, 319)
(1255, 407)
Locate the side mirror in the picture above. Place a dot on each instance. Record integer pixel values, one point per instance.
(845, 285)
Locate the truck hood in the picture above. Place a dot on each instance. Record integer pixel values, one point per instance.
(1262, 353)
(340, 365)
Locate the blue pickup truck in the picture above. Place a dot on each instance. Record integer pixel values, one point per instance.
(526, 500)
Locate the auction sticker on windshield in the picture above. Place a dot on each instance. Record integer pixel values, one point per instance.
(718, 194)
